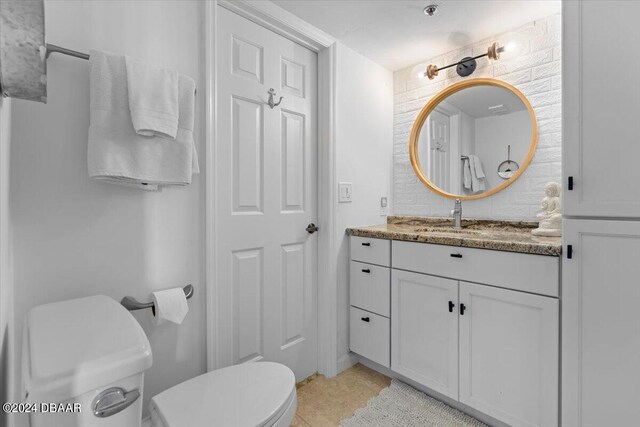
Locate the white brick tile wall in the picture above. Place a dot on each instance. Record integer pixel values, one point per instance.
(536, 72)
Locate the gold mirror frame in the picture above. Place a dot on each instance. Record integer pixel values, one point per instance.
(433, 103)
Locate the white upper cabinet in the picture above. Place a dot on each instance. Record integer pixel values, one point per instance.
(424, 336)
(600, 326)
(601, 108)
(509, 355)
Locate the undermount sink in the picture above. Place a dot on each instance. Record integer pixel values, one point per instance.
(448, 229)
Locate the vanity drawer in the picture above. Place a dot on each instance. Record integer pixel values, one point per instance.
(370, 336)
(372, 251)
(370, 287)
(522, 272)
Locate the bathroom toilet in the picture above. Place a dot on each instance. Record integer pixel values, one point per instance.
(252, 394)
(93, 352)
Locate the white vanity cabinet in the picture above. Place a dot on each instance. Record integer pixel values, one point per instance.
(424, 337)
(601, 266)
(509, 354)
(492, 345)
(600, 326)
(369, 298)
(600, 108)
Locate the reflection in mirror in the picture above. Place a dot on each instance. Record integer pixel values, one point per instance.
(475, 139)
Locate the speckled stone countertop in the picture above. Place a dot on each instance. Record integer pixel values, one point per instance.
(510, 236)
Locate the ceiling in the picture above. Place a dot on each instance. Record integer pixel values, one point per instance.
(477, 101)
(397, 34)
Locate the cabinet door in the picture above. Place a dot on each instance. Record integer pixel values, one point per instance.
(509, 355)
(601, 107)
(424, 330)
(600, 326)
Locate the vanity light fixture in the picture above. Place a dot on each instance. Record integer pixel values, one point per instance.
(466, 66)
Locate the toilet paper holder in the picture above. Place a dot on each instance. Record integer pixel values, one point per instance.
(131, 303)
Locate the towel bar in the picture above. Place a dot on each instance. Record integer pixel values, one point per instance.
(131, 303)
(52, 48)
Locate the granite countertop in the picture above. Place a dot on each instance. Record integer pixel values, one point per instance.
(510, 236)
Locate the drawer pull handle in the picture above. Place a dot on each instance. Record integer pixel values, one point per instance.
(462, 309)
(365, 319)
(451, 305)
(366, 244)
(366, 270)
(456, 255)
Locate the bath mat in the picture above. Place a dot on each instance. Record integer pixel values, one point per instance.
(403, 406)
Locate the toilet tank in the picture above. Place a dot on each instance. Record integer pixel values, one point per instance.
(84, 364)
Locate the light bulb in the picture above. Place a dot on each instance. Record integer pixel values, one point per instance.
(419, 71)
(511, 45)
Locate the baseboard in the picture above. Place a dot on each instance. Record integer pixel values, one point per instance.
(346, 361)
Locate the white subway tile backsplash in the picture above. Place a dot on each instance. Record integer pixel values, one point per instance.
(522, 62)
(546, 70)
(537, 73)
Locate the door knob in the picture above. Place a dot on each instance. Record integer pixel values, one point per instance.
(311, 228)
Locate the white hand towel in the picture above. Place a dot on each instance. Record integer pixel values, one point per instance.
(466, 174)
(170, 305)
(153, 99)
(187, 89)
(477, 166)
(477, 174)
(116, 153)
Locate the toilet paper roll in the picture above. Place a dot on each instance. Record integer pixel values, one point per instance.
(170, 305)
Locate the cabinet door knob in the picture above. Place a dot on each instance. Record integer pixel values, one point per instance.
(456, 255)
(462, 309)
(451, 305)
(365, 319)
(366, 270)
(366, 244)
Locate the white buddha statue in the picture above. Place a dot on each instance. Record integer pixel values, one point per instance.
(551, 215)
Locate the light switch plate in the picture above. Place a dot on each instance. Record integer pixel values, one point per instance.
(383, 206)
(345, 192)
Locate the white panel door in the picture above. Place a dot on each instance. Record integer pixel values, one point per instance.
(266, 188)
(424, 330)
(439, 152)
(600, 326)
(509, 355)
(601, 107)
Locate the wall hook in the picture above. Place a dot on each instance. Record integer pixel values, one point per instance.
(272, 104)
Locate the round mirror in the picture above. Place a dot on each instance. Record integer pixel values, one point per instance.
(473, 139)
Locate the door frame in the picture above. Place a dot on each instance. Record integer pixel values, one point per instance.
(274, 18)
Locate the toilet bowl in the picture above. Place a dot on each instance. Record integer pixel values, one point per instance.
(92, 352)
(253, 394)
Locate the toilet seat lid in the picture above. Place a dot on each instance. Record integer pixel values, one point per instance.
(251, 394)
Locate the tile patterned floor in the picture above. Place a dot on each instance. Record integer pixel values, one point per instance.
(323, 402)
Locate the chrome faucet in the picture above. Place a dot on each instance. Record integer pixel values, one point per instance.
(456, 213)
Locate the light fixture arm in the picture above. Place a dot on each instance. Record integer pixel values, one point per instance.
(493, 52)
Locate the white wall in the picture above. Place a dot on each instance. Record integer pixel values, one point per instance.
(494, 134)
(75, 237)
(6, 282)
(364, 131)
(535, 72)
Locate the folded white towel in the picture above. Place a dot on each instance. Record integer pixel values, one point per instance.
(116, 153)
(477, 166)
(153, 99)
(477, 174)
